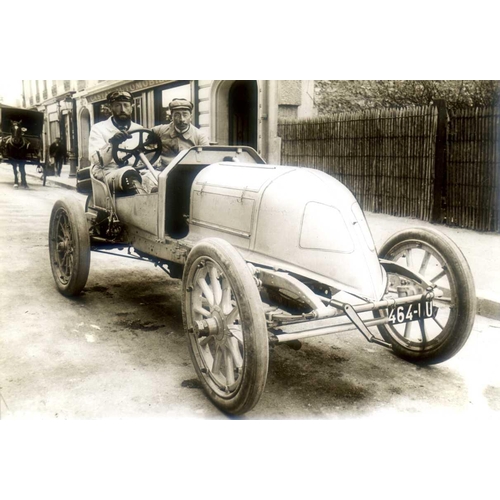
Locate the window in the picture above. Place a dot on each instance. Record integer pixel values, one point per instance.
(164, 94)
(101, 112)
(137, 111)
(54, 128)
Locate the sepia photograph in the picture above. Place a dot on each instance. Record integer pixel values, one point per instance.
(242, 267)
(263, 249)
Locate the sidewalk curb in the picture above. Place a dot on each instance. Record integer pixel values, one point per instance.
(55, 181)
(487, 304)
(52, 180)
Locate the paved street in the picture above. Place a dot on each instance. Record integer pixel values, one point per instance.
(119, 349)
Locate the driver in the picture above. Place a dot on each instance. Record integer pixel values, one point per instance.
(114, 130)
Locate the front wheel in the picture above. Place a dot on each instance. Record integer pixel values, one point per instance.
(225, 326)
(437, 258)
(69, 246)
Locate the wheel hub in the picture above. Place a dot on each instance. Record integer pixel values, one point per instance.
(64, 245)
(205, 327)
(220, 320)
(215, 326)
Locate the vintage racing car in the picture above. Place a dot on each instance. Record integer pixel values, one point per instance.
(267, 254)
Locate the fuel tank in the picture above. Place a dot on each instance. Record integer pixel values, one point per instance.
(295, 219)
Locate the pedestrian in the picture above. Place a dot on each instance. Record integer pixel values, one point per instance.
(179, 134)
(115, 130)
(57, 150)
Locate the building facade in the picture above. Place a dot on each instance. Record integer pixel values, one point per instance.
(243, 112)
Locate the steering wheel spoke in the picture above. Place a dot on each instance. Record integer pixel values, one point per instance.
(153, 149)
(126, 157)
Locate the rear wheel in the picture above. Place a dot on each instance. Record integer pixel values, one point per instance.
(69, 246)
(435, 257)
(225, 325)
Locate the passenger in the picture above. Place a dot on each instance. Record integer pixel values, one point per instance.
(114, 130)
(180, 134)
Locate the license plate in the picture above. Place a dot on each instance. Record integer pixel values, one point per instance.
(411, 312)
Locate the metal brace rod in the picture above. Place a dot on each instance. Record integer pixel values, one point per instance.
(358, 323)
(107, 252)
(133, 257)
(279, 338)
(390, 302)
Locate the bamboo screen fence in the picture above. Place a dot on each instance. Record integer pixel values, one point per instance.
(385, 157)
(473, 164)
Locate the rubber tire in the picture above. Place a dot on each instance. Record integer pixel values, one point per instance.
(70, 208)
(459, 325)
(252, 320)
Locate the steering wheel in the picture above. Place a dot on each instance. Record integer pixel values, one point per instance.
(153, 148)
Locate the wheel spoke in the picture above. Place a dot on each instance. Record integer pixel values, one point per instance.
(202, 311)
(407, 330)
(63, 229)
(205, 340)
(217, 360)
(65, 259)
(226, 303)
(207, 355)
(438, 323)
(409, 260)
(206, 291)
(232, 316)
(446, 300)
(235, 352)
(425, 261)
(438, 276)
(215, 285)
(229, 367)
(237, 333)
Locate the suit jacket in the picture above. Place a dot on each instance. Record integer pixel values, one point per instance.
(174, 142)
(100, 134)
(58, 151)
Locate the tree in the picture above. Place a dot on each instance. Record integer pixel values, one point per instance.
(333, 96)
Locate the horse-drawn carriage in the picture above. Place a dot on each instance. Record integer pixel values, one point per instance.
(268, 254)
(21, 140)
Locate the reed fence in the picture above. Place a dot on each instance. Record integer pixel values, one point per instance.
(472, 168)
(407, 162)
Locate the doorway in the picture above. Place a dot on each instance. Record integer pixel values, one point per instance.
(242, 107)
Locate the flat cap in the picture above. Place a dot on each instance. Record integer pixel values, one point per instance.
(119, 96)
(180, 104)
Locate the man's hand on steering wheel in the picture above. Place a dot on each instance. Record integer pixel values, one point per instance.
(152, 139)
(149, 143)
(119, 137)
